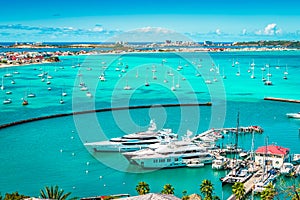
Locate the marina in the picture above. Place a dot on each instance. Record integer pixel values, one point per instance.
(68, 155)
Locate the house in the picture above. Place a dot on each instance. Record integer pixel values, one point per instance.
(272, 155)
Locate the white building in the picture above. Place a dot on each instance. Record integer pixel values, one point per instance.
(271, 155)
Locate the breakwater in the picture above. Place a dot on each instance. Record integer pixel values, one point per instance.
(282, 99)
(99, 110)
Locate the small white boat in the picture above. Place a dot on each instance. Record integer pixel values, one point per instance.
(219, 163)
(293, 115)
(194, 163)
(7, 101)
(287, 168)
(88, 94)
(31, 95)
(296, 159)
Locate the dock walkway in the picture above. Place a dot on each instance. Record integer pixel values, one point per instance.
(250, 183)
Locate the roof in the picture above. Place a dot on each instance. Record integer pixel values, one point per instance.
(195, 197)
(273, 149)
(153, 196)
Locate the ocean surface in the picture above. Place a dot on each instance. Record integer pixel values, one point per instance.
(51, 151)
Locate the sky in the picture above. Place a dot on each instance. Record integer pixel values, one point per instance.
(151, 21)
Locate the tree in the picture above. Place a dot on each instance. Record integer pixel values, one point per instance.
(238, 190)
(268, 193)
(184, 195)
(206, 188)
(142, 188)
(168, 189)
(54, 193)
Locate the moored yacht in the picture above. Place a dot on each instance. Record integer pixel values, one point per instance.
(293, 115)
(134, 141)
(183, 153)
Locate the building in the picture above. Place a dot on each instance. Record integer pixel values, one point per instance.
(272, 155)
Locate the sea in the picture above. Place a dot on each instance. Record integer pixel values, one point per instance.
(51, 152)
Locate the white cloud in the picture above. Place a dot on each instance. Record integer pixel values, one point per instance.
(218, 32)
(270, 29)
(150, 29)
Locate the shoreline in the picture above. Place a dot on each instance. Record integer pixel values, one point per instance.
(164, 50)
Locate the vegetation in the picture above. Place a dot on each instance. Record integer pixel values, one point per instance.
(142, 188)
(269, 192)
(168, 189)
(14, 196)
(184, 195)
(279, 43)
(206, 188)
(238, 190)
(54, 193)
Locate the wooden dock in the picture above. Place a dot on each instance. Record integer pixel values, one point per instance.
(249, 184)
(282, 99)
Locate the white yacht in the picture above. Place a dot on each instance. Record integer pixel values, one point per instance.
(293, 115)
(134, 141)
(183, 153)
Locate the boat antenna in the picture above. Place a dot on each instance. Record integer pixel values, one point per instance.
(237, 131)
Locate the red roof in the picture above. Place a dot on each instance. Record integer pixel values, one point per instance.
(272, 149)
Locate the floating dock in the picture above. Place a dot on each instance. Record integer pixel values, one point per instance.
(282, 100)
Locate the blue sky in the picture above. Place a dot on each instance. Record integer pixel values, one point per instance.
(155, 20)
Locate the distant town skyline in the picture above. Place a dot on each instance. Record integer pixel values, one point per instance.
(149, 21)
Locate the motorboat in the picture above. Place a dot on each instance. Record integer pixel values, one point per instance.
(219, 163)
(7, 101)
(293, 115)
(237, 174)
(134, 141)
(287, 168)
(268, 178)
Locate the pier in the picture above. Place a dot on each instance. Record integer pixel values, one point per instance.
(246, 129)
(249, 184)
(282, 99)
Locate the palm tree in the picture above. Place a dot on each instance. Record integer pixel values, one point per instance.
(268, 193)
(142, 188)
(168, 189)
(207, 188)
(184, 195)
(54, 193)
(238, 190)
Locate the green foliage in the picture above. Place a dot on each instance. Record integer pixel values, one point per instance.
(206, 188)
(14, 196)
(142, 188)
(184, 195)
(168, 189)
(238, 190)
(269, 192)
(54, 193)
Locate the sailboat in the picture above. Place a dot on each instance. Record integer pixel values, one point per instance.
(2, 84)
(178, 85)
(285, 73)
(252, 68)
(24, 102)
(146, 81)
(224, 76)
(268, 81)
(127, 87)
(7, 101)
(238, 73)
(173, 88)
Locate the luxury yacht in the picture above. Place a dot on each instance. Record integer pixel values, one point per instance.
(180, 153)
(134, 141)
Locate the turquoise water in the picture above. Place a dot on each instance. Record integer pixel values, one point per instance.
(51, 152)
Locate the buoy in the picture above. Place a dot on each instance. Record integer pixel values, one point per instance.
(73, 154)
(74, 187)
(72, 137)
(104, 185)
(100, 177)
(87, 163)
(86, 171)
(61, 151)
